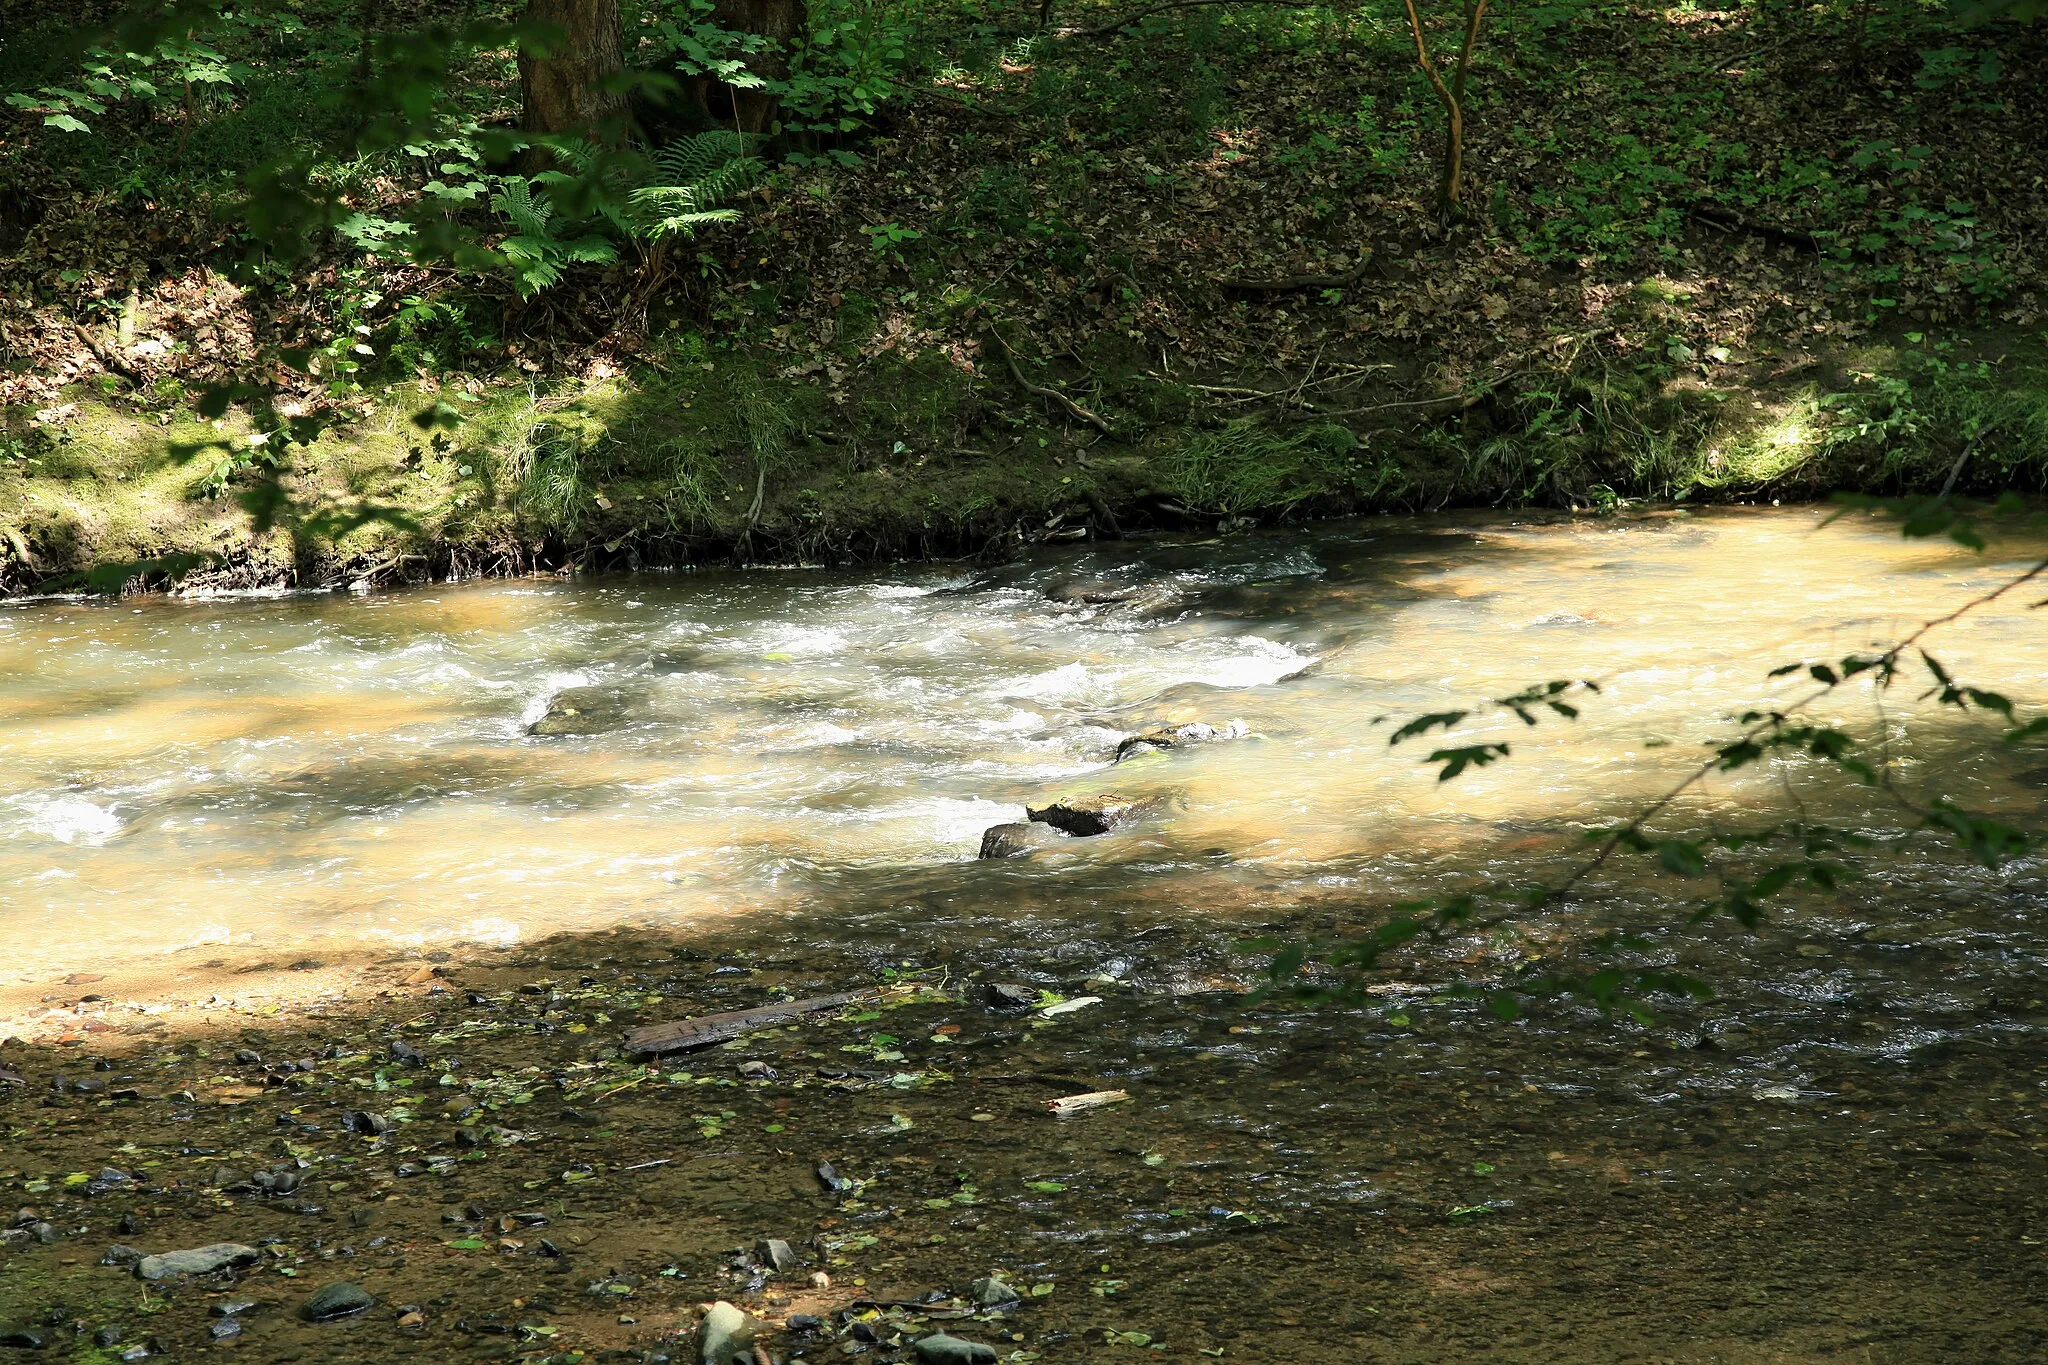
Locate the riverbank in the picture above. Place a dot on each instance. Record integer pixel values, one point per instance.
(1165, 269)
(708, 453)
(463, 1140)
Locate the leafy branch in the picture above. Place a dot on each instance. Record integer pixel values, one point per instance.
(1815, 850)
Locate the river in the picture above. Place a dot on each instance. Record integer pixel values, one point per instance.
(788, 773)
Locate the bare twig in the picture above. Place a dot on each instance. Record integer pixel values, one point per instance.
(1041, 391)
(110, 360)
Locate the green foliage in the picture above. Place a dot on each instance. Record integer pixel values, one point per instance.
(535, 253)
(691, 177)
(1248, 469)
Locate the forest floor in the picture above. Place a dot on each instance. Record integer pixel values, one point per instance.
(1280, 1185)
(1072, 283)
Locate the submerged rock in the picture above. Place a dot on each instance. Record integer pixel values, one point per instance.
(724, 1335)
(1016, 840)
(207, 1260)
(341, 1300)
(20, 1338)
(942, 1349)
(1087, 816)
(585, 711)
(1011, 995)
(1177, 737)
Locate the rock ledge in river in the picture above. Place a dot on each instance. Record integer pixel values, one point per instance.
(1087, 816)
(1016, 840)
(1178, 737)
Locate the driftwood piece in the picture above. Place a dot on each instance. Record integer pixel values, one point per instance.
(710, 1029)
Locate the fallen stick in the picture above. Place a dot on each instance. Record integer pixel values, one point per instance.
(1282, 284)
(707, 1030)
(1081, 1104)
(1039, 390)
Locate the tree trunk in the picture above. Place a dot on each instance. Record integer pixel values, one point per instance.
(783, 23)
(563, 76)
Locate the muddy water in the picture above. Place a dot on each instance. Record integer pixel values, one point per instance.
(177, 773)
(776, 783)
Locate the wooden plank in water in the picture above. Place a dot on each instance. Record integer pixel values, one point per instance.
(709, 1029)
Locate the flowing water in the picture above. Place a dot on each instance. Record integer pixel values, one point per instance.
(1836, 1158)
(181, 772)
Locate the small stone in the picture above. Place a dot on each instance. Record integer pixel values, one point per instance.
(43, 1232)
(803, 1324)
(413, 1319)
(139, 1351)
(19, 1337)
(247, 1057)
(990, 1292)
(820, 1280)
(207, 1260)
(228, 1308)
(107, 1336)
(1011, 995)
(831, 1179)
(336, 1301)
(941, 1349)
(120, 1255)
(129, 1224)
(226, 1329)
(777, 1255)
(406, 1053)
(756, 1071)
(368, 1124)
(724, 1335)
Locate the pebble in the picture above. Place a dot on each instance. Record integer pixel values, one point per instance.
(724, 1335)
(756, 1071)
(22, 1338)
(991, 1292)
(207, 1260)
(1011, 995)
(226, 1329)
(341, 1300)
(227, 1308)
(941, 1349)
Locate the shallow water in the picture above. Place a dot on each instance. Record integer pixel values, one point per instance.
(785, 778)
(182, 772)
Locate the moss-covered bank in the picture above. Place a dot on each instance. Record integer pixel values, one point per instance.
(700, 452)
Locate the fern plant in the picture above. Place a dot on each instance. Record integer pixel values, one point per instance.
(692, 177)
(536, 254)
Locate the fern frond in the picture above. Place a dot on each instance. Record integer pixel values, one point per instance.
(529, 216)
(692, 176)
